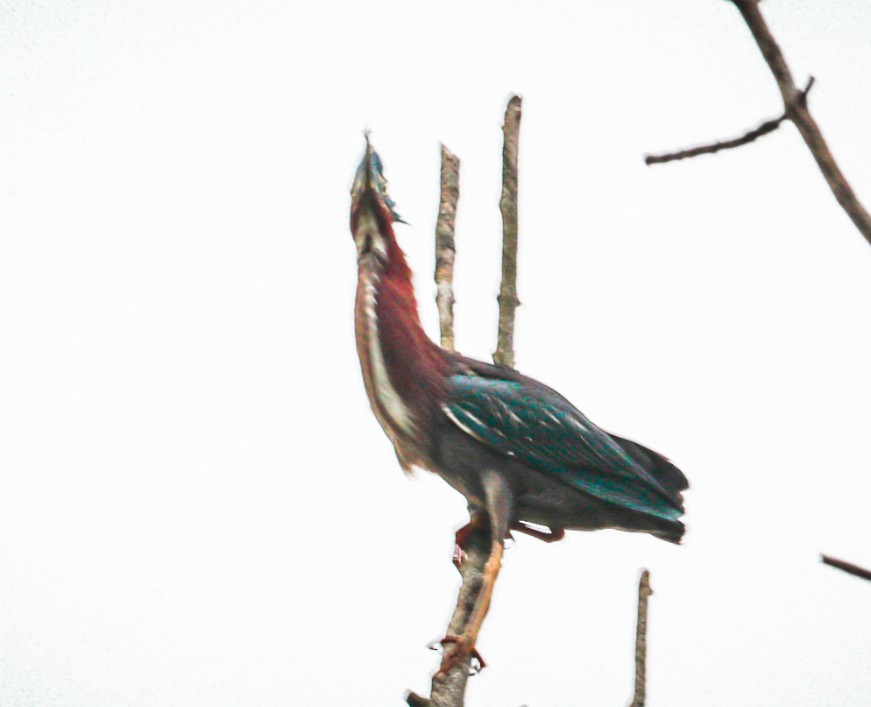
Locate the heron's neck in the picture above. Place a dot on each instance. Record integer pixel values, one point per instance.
(402, 368)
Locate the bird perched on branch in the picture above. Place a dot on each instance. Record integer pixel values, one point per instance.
(517, 450)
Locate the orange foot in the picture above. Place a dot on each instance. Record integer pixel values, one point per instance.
(456, 648)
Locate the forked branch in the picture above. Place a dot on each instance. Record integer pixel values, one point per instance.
(448, 688)
(449, 684)
(769, 126)
(795, 110)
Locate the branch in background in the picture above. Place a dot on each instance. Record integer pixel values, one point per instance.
(644, 591)
(855, 570)
(444, 245)
(507, 299)
(795, 110)
(769, 126)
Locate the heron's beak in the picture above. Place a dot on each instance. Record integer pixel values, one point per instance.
(370, 186)
(365, 189)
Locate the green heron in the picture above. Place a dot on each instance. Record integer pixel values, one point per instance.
(517, 450)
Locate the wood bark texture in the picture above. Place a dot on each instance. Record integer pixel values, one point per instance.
(644, 591)
(445, 248)
(449, 687)
(508, 301)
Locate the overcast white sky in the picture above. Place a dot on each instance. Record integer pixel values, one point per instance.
(197, 507)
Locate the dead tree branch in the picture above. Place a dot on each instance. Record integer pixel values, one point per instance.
(508, 301)
(448, 689)
(444, 245)
(847, 567)
(449, 686)
(644, 591)
(795, 110)
(769, 126)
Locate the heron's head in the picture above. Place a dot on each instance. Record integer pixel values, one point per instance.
(372, 209)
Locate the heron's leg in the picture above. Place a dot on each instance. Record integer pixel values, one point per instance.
(500, 502)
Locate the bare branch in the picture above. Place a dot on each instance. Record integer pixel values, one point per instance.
(508, 301)
(644, 591)
(796, 110)
(769, 126)
(448, 689)
(449, 686)
(444, 245)
(855, 570)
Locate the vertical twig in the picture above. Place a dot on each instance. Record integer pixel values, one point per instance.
(644, 591)
(448, 689)
(444, 245)
(507, 299)
(797, 111)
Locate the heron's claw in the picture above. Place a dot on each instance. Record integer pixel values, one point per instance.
(456, 648)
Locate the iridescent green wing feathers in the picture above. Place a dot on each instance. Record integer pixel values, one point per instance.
(535, 425)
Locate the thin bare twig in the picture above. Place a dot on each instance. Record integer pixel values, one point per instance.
(508, 301)
(444, 245)
(847, 567)
(769, 126)
(644, 591)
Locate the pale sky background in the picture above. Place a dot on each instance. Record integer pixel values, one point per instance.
(197, 507)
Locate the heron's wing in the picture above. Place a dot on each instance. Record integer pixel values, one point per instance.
(533, 424)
